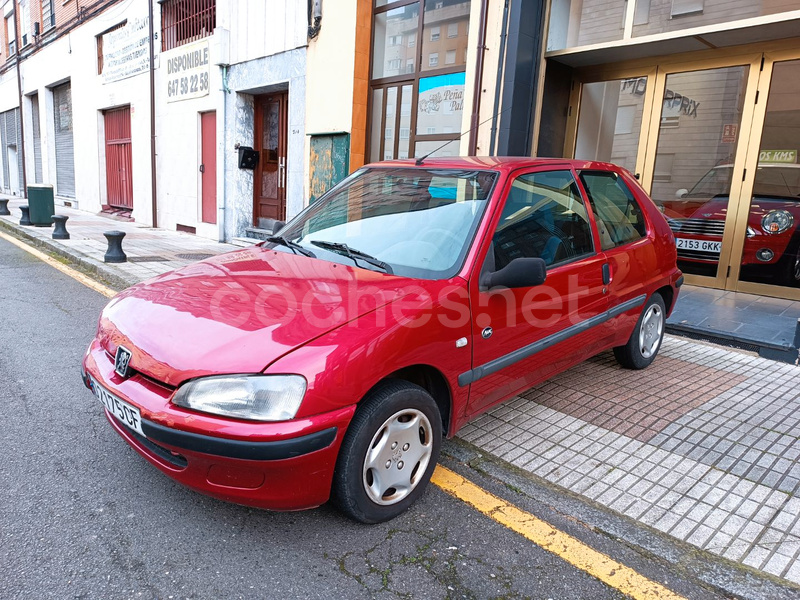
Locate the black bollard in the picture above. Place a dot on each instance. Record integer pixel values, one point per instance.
(4, 207)
(114, 254)
(60, 231)
(26, 216)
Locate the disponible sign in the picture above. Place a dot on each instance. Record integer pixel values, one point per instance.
(126, 51)
(188, 71)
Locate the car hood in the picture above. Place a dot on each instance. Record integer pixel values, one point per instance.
(238, 312)
(697, 208)
(716, 208)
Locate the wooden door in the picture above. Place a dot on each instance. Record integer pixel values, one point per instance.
(269, 183)
(119, 167)
(208, 166)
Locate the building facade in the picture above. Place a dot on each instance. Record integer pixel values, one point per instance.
(699, 99)
(96, 126)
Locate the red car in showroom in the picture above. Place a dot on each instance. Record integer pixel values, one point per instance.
(331, 360)
(772, 243)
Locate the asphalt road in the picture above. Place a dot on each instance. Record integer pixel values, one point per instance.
(83, 516)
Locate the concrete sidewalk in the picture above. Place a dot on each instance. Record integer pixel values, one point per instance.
(703, 445)
(150, 251)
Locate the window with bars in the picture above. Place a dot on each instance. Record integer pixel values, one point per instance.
(184, 21)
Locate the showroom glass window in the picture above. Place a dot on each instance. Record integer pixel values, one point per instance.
(417, 77)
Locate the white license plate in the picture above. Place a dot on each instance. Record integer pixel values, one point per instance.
(125, 413)
(699, 245)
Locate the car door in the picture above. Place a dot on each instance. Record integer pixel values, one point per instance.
(522, 336)
(630, 255)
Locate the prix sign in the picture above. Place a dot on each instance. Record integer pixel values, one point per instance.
(188, 72)
(672, 100)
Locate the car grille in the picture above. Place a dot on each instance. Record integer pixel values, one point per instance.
(698, 255)
(709, 227)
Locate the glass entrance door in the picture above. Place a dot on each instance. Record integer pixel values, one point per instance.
(715, 141)
(613, 119)
(769, 260)
(694, 167)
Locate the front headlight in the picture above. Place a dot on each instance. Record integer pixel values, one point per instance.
(251, 397)
(777, 221)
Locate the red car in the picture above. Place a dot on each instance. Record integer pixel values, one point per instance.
(332, 359)
(772, 245)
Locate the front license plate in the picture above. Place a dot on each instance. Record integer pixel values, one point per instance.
(698, 245)
(125, 413)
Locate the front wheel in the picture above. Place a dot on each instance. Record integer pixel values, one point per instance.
(645, 341)
(389, 452)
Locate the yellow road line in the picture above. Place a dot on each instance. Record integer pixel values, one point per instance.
(572, 550)
(76, 275)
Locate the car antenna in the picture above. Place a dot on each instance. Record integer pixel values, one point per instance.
(420, 160)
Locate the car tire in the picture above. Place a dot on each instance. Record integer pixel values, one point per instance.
(388, 453)
(645, 341)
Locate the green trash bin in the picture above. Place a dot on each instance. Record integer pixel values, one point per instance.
(42, 207)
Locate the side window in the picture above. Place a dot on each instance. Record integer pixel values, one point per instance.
(544, 217)
(619, 217)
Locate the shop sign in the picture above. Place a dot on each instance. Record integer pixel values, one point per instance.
(729, 133)
(126, 51)
(777, 156)
(673, 101)
(188, 71)
(440, 105)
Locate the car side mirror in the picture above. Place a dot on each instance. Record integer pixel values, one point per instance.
(519, 273)
(681, 193)
(277, 226)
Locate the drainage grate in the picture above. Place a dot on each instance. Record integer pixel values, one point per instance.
(195, 256)
(138, 259)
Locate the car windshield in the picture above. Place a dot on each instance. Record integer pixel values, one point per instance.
(775, 181)
(414, 222)
(717, 182)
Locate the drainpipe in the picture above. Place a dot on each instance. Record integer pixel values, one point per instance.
(24, 193)
(225, 91)
(501, 62)
(153, 184)
(476, 93)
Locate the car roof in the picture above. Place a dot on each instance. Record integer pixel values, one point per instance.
(761, 165)
(499, 163)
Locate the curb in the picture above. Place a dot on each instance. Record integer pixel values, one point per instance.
(781, 353)
(87, 264)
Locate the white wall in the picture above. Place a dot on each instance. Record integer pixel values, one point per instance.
(331, 68)
(263, 28)
(178, 146)
(73, 58)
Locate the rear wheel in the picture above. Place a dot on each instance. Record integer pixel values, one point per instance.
(645, 341)
(389, 452)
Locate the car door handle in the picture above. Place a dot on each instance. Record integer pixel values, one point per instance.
(202, 168)
(606, 274)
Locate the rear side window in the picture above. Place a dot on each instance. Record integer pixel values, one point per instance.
(544, 217)
(619, 217)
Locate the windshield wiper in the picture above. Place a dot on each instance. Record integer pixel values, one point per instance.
(353, 254)
(293, 246)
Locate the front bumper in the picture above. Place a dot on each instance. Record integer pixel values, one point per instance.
(280, 466)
